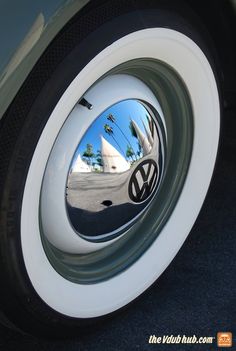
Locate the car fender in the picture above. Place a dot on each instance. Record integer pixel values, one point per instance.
(26, 29)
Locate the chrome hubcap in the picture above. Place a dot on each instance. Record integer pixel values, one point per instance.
(115, 170)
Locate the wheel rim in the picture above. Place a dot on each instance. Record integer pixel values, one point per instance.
(104, 256)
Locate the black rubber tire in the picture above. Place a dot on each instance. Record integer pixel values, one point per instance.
(85, 36)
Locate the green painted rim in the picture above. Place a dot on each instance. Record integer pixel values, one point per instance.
(175, 102)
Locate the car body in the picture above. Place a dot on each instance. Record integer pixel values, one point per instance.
(26, 32)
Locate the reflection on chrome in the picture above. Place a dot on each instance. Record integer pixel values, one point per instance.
(115, 170)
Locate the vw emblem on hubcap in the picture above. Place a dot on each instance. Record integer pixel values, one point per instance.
(143, 181)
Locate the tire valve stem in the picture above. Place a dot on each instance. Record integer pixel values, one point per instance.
(85, 103)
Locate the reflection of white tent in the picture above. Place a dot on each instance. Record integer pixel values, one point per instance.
(113, 161)
(81, 166)
(149, 136)
(142, 139)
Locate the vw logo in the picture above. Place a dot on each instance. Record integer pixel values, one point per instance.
(143, 181)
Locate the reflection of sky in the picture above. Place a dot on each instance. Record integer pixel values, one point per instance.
(123, 113)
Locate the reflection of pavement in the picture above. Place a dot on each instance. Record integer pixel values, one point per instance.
(85, 195)
(89, 190)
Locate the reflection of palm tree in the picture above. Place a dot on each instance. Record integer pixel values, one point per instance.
(130, 152)
(132, 129)
(109, 130)
(139, 152)
(112, 119)
(142, 138)
(99, 158)
(148, 132)
(134, 134)
(150, 124)
(88, 153)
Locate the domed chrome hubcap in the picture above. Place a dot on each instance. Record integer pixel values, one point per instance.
(115, 170)
(105, 166)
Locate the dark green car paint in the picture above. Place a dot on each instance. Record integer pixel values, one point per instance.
(26, 29)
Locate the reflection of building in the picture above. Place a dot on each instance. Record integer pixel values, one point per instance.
(113, 161)
(143, 140)
(81, 166)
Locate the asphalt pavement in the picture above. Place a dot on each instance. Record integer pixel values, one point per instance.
(196, 295)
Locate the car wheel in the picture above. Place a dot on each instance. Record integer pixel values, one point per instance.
(107, 153)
